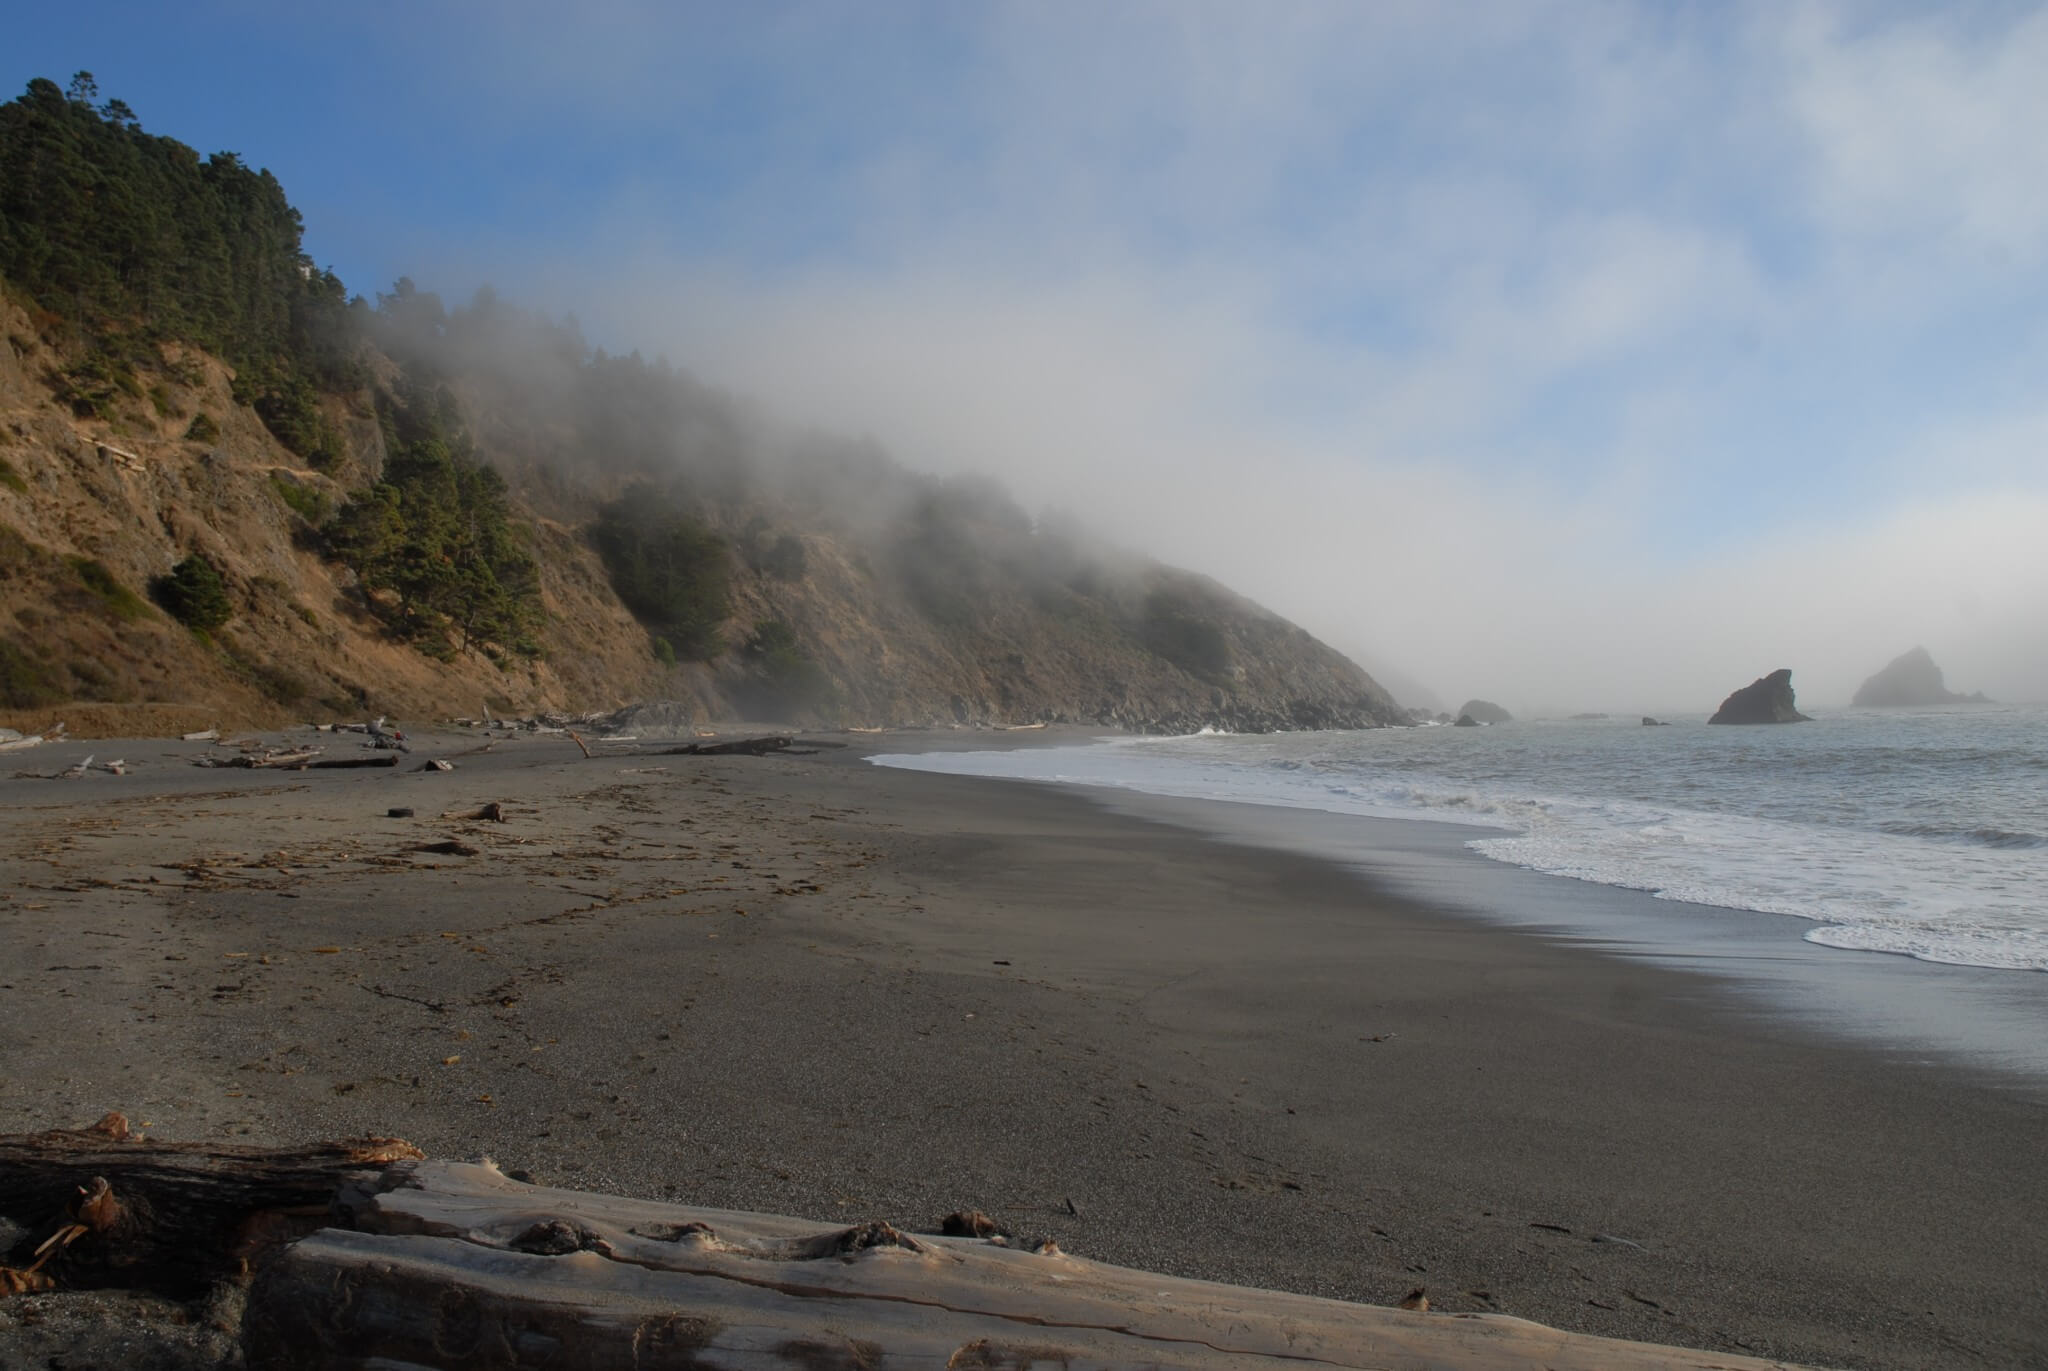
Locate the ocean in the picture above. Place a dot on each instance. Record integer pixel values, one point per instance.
(1922, 833)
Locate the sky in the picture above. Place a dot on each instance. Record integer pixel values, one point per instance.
(1576, 356)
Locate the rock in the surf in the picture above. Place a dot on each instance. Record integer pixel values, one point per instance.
(1485, 712)
(1908, 680)
(1767, 700)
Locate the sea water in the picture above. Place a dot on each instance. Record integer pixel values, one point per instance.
(1919, 832)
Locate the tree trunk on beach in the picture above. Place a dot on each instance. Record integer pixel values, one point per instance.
(457, 1265)
(105, 1208)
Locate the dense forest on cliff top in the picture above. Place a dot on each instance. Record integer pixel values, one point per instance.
(227, 486)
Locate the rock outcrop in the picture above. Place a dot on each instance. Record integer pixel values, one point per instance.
(1908, 680)
(1767, 700)
(1485, 712)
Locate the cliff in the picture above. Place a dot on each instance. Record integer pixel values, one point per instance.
(231, 493)
(925, 603)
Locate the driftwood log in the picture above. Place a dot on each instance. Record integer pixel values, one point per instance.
(104, 1208)
(738, 747)
(457, 1266)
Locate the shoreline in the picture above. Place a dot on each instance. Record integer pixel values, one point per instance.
(814, 986)
(1978, 1018)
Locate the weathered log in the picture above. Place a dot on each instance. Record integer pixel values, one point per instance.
(336, 763)
(164, 1217)
(738, 747)
(456, 1265)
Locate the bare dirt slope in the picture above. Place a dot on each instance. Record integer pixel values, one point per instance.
(91, 510)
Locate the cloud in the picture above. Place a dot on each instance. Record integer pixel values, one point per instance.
(1603, 353)
(1928, 129)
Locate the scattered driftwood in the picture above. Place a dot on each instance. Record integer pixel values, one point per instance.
(282, 758)
(77, 770)
(435, 764)
(13, 741)
(738, 747)
(206, 735)
(338, 763)
(490, 813)
(451, 1264)
(107, 1208)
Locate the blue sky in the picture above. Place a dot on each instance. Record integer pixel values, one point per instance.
(1569, 354)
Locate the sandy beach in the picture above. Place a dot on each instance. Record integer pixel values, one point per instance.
(806, 985)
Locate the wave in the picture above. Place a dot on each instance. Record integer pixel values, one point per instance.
(1975, 837)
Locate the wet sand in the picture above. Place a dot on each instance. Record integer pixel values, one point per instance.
(806, 985)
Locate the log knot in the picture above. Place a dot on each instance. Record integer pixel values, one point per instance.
(851, 1242)
(554, 1238)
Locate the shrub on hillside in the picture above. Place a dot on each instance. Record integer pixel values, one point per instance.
(667, 568)
(194, 594)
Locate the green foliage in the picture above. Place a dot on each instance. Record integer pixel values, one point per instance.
(100, 221)
(114, 597)
(89, 386)
(435, 535)
(202, 429)
(1175, 628)
(160, 399)
(122, 238)
(781, 557)
(664, 650)
(668, 568)
(194, 594)
(306, 502)
(11, 478)
(949, 547)
(25, 682)
(289, 407)
(782, 679)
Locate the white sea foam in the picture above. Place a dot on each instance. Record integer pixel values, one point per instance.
(1913, 834)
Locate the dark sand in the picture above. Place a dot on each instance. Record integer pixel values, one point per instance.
(811, 986)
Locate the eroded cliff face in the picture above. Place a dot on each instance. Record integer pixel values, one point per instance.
(91, 510)
(893, 630)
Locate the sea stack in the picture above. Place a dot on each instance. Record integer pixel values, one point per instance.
(1486, 712)
(1908, 680)
(1767, 700)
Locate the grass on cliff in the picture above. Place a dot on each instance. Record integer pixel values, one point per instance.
(117, 599)
(25, 682)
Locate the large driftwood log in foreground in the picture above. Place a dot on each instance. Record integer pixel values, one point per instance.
(108, 1209)
(458, 1267)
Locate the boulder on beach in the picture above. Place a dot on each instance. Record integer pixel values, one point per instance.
(1908, 680)
(1766, 700)
(1485, 712)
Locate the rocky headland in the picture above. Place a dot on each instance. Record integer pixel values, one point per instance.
(231, 493)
